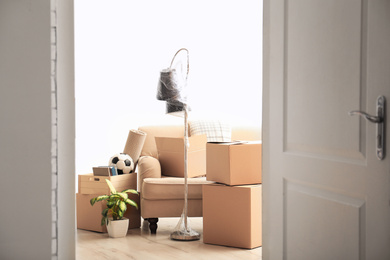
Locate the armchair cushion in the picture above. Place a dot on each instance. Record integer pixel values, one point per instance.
(148, 167)
(172, 188)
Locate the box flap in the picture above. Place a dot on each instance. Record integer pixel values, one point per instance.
(176, 144)
(167, 144)
(171, 155)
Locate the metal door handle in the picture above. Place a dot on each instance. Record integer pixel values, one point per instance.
(379, 120)
(372, 119)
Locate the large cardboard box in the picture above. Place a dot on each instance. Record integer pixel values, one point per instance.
(89, 217)
(90, 184)
(232, 215)
(171, 155)
(236, 163)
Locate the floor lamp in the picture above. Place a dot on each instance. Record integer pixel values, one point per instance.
(172, 89)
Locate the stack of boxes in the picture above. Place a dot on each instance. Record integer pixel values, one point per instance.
(232, 205)
(90, 186)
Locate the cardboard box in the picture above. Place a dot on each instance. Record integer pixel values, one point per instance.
(89, 217)
(232, 215)
(236, 163)
(104, 171)
(171, 155)
(90, 184)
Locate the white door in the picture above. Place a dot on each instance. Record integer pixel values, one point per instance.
(326, 194)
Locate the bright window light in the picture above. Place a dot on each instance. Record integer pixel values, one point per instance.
(122, 45)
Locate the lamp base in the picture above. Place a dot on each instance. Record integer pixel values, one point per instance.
(183, 231)
(185, 236)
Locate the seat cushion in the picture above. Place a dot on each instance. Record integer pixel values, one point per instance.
(171, 188)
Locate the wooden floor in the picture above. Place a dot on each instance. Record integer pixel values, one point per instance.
(140, 244)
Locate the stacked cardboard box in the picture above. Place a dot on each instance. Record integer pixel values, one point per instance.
(171, 155)
(232, 206)
(90, 186)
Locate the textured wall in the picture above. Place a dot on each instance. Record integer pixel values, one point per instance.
(26, 127)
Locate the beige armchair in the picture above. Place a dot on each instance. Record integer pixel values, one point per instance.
(163, 196)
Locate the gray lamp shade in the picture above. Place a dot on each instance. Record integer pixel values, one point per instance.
(168, 88)
(176, 108)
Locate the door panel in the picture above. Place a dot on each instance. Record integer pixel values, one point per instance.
(314, 35)
(305, 202)
(326, 195)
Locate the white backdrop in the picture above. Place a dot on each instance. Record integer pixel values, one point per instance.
(122, 45)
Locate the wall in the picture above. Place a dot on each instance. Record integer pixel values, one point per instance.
(36, 137)
(121, 46)
(25, 130)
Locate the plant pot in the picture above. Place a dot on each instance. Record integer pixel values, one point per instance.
(117, 228)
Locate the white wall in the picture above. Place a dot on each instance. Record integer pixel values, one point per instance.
(25, 130)
(122, 45)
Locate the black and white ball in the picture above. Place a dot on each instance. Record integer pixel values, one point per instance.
(123, 162)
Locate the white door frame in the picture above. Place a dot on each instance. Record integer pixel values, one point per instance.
(66, 204)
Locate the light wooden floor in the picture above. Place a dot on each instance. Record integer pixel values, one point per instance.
(139, 244)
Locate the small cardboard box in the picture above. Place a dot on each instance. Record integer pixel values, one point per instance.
(90, 184)
(236, 163)
(104, 171)
(171, 155)
(232, 215)
(90, 217)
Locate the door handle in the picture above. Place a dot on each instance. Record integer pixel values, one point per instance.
(372, 119)
(379, 120)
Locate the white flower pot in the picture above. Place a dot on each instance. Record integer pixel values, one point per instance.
(117, 228)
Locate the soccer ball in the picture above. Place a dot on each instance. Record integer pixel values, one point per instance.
(123, 163)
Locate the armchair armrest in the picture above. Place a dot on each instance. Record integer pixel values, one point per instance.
(148, 167)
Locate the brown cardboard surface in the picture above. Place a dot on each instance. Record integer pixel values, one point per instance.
(232, 215)
(101, 171)
(171, 155)
(89, 217)
(234, 163)
(90, 184)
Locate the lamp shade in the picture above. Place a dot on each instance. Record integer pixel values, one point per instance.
(168, 88)
(174, 107)
(177, 108)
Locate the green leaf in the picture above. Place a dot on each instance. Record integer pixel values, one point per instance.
(103, 221)
(124, 196)
(122, 206)
(115, 197)
(99, 198)
(112, 189)
(104, 212)
(132, 203)
(130, 191)
(120, 214)
(110, 203)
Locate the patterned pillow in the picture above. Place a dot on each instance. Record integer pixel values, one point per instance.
(215, 130)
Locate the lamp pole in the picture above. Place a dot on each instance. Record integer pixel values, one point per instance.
(172, 90)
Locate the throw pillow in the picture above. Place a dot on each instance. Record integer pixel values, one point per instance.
(215, 130)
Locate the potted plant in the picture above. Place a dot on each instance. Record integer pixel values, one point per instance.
(117, 225)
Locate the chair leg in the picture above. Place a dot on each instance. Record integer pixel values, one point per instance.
(153, 225)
